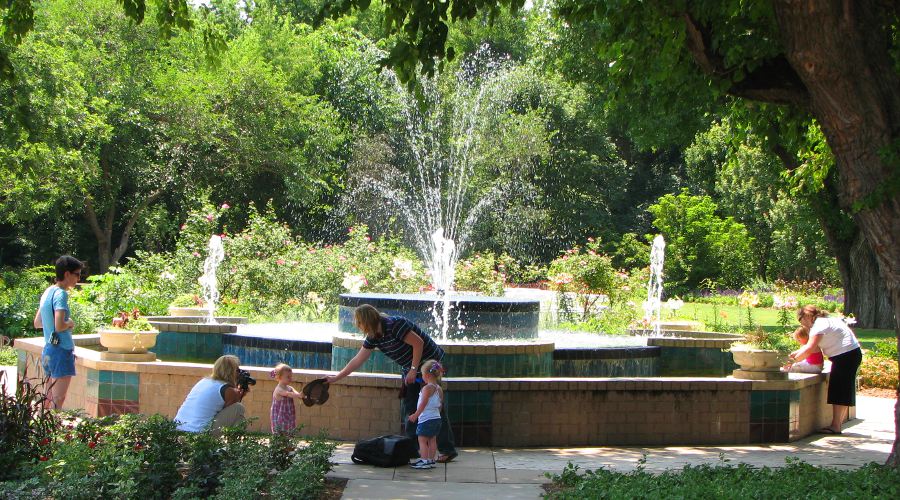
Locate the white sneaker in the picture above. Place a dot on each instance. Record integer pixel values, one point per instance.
(426, 464)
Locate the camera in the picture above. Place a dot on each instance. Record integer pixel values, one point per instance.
(244, 380)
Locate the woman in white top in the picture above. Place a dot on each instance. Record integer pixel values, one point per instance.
(215, 401)
(837, 341)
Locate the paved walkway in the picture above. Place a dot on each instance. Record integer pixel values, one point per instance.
(518, 473)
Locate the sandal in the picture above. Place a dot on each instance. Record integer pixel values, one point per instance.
(442, 459)
(828, 430)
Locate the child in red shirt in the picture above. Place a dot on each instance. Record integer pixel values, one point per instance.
(813, 363)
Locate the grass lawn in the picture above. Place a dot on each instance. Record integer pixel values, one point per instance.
(765, 317)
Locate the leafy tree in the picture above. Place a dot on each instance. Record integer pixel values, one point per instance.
(701, 245)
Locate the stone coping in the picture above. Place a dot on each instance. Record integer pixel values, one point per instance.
(178, 327)
(230, 320)
(91, 359)
(424, 302)
(239, 340)
(474, 348)
(688, 342)
(627, 352)
(684, 334)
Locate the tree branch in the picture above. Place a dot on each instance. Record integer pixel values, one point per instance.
(126, 232)
(774, 81)
(91, 217)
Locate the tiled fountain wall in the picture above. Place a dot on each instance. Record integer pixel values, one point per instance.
(487, 411)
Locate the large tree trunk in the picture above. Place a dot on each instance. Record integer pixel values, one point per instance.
(840, 51)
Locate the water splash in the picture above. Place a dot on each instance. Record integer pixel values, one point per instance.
(653, 305)
(209, 284)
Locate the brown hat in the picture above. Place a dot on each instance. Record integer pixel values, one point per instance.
(316, 392)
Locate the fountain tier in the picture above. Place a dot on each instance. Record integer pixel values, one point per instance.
(471, 317)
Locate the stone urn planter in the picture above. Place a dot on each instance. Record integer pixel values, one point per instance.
(182, 312)
(757, 364)
(127, 345)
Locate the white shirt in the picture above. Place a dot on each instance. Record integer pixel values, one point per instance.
(837, 337)
(200, 406)
(432, 409)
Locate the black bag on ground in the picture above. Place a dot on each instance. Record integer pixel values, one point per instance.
(385, 451)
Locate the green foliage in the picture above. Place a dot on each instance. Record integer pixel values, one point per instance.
(700, 244)
(133, 456)
(796, 478)
(305, 477)
(8, 356)
(885, 348)
(20, 295)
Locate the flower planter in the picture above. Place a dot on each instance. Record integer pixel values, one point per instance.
(127, 341)
(757, 364)
(187, 311)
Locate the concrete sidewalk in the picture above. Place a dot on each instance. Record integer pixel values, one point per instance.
(519, 473)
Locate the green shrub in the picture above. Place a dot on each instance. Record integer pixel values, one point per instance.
(137, 457)
(8, 356)
(305, 477)
(20, 294)
(795, 480)
(700, 244)
(885, 348)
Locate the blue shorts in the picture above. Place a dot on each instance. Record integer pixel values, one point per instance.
(58, 362)
(429, 428)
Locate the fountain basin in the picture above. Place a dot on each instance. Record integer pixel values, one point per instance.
(190, 338)
(499, 412)
(472, 317)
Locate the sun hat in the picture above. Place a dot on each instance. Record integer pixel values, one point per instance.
(316, 392)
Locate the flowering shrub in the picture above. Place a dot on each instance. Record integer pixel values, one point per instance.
(587, 273)
(881, 372)
(483, 273)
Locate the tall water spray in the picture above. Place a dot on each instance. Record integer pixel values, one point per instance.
(209, 285)
(653, 305)
(434, 195)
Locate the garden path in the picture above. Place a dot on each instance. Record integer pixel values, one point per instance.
(518, 473)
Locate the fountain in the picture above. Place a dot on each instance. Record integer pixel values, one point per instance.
(653, 305)
(209, 285)
(438, 205)
(509, 383)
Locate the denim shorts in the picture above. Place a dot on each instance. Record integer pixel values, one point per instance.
(58, 362)
(429, 428)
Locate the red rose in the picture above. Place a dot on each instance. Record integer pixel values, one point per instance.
(44, 458)
(92, 444)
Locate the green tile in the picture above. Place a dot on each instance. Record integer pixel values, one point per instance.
(118, 392)
(104, 390)
(132, 392)
(106, 376)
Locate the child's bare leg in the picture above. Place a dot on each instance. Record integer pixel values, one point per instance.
(432, 448)
(423, 448)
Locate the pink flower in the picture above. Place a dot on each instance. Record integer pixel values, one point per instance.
(210, 217)
(280, 262)
(312, 250)
(182, 227)
(342, 258)
(223, 236)
(225, 206)
(368, 238)
(195, 254)
(330, 269)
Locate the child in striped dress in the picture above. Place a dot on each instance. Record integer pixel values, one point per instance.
(283, 415)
